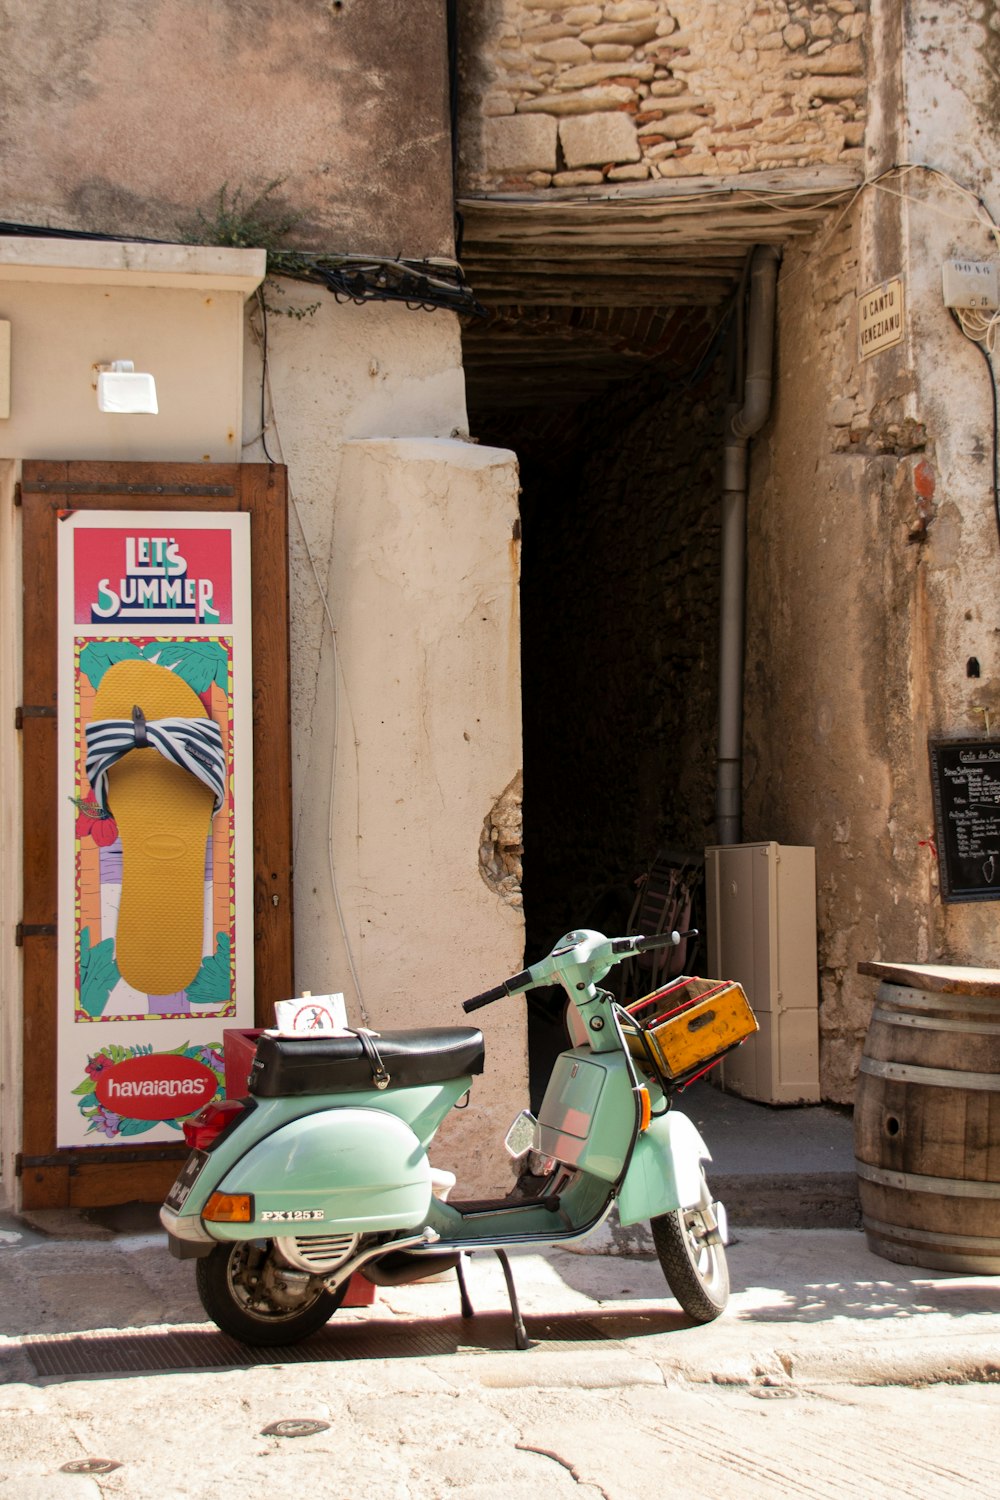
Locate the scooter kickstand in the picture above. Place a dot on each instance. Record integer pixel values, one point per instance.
(468, 1311)
(521, 1339)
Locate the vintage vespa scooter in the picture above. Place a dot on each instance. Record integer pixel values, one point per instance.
(322, 1170)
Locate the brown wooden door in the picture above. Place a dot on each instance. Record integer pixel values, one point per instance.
(91, 1177)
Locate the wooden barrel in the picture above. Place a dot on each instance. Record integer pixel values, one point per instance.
(927, 1118)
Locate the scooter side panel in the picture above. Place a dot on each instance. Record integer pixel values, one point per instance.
(335, 1170)
(588, 1115)
(665, 1170)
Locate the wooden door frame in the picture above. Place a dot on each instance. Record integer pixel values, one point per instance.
(91, 1176)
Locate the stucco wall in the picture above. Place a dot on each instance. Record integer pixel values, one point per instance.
(635, 90)
(176, 311)
(404, 530)
(128, 119)
(134, 120)
(952, 53)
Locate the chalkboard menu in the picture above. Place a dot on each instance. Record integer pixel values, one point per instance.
(966, 779)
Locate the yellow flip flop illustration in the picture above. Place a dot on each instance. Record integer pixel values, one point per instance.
(155, 761)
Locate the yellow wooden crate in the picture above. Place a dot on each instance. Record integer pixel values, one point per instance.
(688, 1025)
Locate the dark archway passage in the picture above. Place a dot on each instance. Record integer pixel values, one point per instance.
(616, 416)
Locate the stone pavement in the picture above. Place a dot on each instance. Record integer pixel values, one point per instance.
(890, 1374)
(104, 1354)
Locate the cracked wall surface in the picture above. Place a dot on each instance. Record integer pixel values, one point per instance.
(874, 551)
(421, 580)
(501, 844)
(129, 119)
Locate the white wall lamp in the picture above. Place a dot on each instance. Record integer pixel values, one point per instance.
(123, 389)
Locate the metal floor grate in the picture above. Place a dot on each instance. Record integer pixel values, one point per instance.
(130, 1352)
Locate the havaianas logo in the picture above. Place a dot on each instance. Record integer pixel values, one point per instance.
(129, 1090)
(155, 584)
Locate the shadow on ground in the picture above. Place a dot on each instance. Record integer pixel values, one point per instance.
(161, 1351)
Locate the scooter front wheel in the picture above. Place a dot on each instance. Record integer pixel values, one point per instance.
(250, 1295)
(692, 1259)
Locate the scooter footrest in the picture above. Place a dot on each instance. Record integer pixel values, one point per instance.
(476, 1206)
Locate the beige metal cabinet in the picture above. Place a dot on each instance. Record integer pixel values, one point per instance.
(762, 932)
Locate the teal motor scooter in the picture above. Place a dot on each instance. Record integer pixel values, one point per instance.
(322, 1170)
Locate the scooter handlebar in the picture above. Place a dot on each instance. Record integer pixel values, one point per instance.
(499, 992)
(620, 947)
(655, 940)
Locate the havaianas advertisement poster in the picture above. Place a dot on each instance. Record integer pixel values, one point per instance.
(155, 822)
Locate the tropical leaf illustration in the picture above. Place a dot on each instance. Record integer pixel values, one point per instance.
(199, 663)
(210, 985)
(97, 656)
(98, 973)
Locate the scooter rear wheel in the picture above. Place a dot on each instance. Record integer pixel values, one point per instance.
(696, 1270)
(240, 1287)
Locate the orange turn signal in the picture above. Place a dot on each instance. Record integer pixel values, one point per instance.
(645, 1108)
(229, 1208)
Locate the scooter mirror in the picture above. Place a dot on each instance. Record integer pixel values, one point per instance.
(520, 1138)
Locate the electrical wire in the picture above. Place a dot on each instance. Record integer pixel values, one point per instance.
(267, 398)
(984, 351)
(263, 373)
(978, 327)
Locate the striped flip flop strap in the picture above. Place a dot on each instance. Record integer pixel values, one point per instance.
(193, 744)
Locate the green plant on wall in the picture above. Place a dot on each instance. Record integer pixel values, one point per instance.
(256, 221)
(260, 222)
(260, 219)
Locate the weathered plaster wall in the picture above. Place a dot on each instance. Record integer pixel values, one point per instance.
(873, 547)
(131, 120)
(952, 52)
(405, 532)
(67, 320)
(634, 90)
(127, 119)
(830, 580)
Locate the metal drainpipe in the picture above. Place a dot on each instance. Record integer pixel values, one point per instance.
(741, 424)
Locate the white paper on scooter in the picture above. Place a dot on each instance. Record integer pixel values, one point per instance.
(312, 1015)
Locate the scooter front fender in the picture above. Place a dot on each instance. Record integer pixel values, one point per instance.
(357, 1171)
(665, 1170)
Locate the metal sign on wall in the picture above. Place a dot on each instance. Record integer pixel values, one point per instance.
(965, 778)
(155, 865)
(881, 318)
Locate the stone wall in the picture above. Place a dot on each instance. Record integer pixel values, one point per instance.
(829, 754)
(635, 90)
(873, 547)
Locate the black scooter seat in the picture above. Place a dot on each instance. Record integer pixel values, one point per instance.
(289, 1066)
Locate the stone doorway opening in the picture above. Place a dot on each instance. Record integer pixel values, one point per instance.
(616, 415)
(613, 341)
